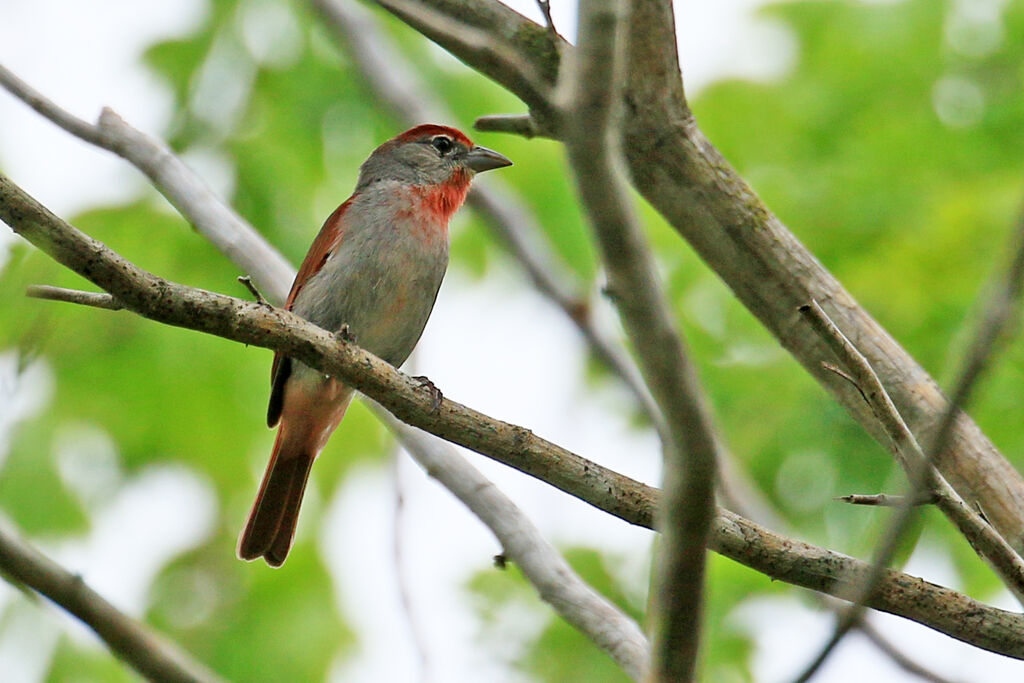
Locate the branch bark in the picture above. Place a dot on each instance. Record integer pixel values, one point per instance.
(151, 656)
(254, 324)
(593, 84)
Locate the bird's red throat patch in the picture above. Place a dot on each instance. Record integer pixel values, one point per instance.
(440, 202)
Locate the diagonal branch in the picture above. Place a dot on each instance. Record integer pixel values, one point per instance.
(556, 582)
(690, 449)
(153, 657)
(249, 323)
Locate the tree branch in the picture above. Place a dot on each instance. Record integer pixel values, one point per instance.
(249, 323)
(74, 296)
(479, 45)
(886, 500)
(898, 656)
(150, 655)
(923, 479)
(690, 450)
(514, 124)
(556, 582)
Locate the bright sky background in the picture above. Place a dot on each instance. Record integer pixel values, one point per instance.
(84, 56)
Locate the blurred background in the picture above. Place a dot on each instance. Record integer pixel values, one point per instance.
(887, 135)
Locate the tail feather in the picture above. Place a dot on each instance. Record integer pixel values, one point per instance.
(311, 408)
(282, 543)
(270, 528)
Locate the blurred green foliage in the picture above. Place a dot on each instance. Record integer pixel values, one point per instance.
(892, 148)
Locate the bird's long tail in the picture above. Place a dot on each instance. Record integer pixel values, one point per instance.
(307, 420)
(270, 528)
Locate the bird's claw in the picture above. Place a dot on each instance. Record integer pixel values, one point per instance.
(345, 334)
(435, 394)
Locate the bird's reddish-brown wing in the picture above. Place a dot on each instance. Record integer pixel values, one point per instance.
(323, 246)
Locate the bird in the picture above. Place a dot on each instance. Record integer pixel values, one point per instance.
(371, 275)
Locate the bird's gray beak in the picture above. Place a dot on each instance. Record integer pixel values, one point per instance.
(482, 159)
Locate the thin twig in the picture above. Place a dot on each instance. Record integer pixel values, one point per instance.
(545, 9)
(898, 657)
(885, 500)
(416, 634)
(782, 558)
(74, 296)
(516, 124)
(248, 283)
(145, 651)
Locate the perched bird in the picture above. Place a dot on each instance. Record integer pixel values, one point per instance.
(373, 272)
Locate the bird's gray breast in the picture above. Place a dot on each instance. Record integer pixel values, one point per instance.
(381, 281)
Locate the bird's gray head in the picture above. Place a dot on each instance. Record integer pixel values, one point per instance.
(429, 154)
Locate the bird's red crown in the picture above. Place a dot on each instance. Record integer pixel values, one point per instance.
(428, 129)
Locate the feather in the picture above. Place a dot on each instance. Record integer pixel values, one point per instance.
(327, 240)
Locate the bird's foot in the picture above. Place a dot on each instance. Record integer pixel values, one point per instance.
(435, 394)
(345, 334)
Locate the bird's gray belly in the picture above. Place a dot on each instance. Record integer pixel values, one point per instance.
(382, 290)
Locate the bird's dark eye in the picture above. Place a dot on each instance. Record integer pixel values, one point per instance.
(442, 143)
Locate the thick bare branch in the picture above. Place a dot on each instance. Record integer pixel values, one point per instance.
(556, 582)
(150, 655)
(249, 323)
(690, 447)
